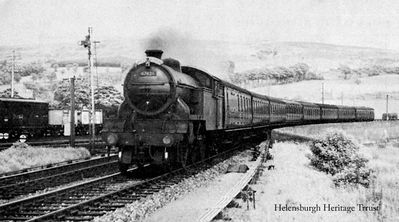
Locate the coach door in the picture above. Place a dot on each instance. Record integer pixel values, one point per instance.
(218, 95)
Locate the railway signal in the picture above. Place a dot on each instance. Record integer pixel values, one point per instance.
(87, 44)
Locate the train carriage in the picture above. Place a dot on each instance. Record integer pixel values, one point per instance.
(311, 112)
(329, 113)
(22, 116)
(278, 113)
(294, 111)
(364, 113)
(261, 109)
(346, 113)
(237, 106)
(34, 119)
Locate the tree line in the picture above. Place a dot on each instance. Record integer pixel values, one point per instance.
(276, 75)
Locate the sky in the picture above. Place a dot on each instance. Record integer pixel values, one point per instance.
(368, 23)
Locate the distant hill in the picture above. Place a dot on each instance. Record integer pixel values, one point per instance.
(322, 56)
(214, 56)
(221, 58)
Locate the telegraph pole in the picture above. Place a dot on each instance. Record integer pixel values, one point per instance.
(95, 54)
(387, 106)
(342, 98)
(87, 44)
(93, 112)
(322, 93)
(72, 138)
(12, 73)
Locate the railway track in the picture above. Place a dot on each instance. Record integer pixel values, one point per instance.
(243, 186)
(23, 183)
(82, 202)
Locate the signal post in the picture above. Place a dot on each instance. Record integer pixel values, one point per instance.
(87, 44)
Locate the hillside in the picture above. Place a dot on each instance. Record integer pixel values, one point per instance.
(222, 58)
(213, 55)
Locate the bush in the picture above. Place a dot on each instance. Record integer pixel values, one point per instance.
(337, 155)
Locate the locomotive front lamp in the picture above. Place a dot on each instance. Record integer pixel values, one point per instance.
(5, 136)
(167, 140)
(120, 154)
(112, 139)
(1, 136)
(147, 63)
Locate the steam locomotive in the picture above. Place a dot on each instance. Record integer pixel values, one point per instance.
(181, 114)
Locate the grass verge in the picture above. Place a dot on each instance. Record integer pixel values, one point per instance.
(21, 156)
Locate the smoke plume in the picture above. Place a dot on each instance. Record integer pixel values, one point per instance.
(206, 55)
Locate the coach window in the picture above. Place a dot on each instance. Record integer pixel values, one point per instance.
(238, 101)
(242, 104)
(246, 105)
(215, 88)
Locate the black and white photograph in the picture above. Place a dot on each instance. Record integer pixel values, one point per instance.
(199, 110)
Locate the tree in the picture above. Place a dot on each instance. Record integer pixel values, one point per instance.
(105, 96)
(345, 70)
(108, 96)
(7, 94)
(30, 68)
(82, 94)
(300, 70)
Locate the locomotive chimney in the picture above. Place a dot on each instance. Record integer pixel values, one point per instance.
(154, 53)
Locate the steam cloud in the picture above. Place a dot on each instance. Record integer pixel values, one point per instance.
(189, 51)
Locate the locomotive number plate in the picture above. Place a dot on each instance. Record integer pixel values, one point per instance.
(148, 73)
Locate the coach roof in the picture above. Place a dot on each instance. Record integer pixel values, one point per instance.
(3, 99)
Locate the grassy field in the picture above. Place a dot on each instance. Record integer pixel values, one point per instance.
(21, 157)
(295, 183)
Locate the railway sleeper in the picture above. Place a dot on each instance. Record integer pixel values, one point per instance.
(124, 201)
(158, 186)
(113, 205)
(32, 213)
(82, 218)
(97, 209)
(44, 208)
(70, 202)
(91, 213)
(14, 218)
(152, 190)
(128, 199)
(140, 195)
